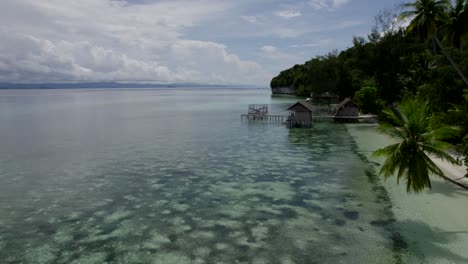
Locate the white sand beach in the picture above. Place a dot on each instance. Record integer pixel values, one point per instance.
(434, 223)
(454, 172)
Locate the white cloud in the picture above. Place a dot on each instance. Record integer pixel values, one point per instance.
(288, 13)
(107, 40)
(327, 4)
(40, 60)
(218, 65)
(250, 19)
(269, 49)
(338, 3)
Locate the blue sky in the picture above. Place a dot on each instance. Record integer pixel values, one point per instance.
(204, 41)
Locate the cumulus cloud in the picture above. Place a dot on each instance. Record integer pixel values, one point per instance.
(250, 19)
(115, 40)
(327, 4)
(269, 49)
(288, 13)
(212, 54)
(40, 60)
(338, 3)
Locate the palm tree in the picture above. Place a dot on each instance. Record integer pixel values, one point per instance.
(456, 24)
(426, 16)
(409, 158)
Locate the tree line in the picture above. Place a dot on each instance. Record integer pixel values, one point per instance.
(416, 51)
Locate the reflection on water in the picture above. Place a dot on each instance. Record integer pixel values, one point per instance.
(128, 181)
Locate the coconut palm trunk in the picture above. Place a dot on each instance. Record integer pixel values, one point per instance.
(452, 62)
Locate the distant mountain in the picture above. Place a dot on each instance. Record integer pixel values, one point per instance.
(110, 85)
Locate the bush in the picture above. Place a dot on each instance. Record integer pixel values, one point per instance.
(367, 98)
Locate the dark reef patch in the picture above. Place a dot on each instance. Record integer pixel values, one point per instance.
(352, 215)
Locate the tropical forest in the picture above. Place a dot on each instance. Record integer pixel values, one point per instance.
(411, 71)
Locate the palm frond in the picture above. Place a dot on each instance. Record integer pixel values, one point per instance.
(386, 151)
(391, 131)
(409, 158)
(440, 154)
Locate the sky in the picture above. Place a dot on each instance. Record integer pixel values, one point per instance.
(198, 41)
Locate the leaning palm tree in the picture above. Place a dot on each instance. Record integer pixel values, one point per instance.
(417, 141)
(426, 16)
(456, 24)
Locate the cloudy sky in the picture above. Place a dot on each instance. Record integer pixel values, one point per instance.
(203, 41)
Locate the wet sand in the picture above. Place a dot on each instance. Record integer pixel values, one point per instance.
(434, 223)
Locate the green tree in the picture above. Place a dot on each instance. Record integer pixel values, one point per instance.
(409, 158)
(427, 16)
(462, 114)
(367, 98)
(465, 152)
(455, 27)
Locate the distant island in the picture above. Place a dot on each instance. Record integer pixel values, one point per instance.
(109, 85)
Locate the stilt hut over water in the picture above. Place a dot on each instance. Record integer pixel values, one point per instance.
(347, 111)
(300, 114)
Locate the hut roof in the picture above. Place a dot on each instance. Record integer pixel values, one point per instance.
(344, 103)
(304, 104)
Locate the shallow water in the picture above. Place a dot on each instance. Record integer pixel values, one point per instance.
(174, 176)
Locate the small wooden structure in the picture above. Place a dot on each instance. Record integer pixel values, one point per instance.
(300, 115)
(346, 111)
(259, 112)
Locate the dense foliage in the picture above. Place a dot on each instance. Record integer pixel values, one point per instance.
(400, 63)
(368, 99)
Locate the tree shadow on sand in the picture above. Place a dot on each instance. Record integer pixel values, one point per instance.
(447, 188)
(430, 243)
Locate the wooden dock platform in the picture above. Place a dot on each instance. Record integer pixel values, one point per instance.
(346, 119)
(283, 118)
(303, 115)
(265, 118)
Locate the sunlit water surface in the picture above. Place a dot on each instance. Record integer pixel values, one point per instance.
(174, 176)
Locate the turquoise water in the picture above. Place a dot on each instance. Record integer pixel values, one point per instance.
(174, 176)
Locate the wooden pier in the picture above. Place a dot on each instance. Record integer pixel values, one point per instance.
(259, 112)
(346, 119)
(303, 115)
(266, 118)
(282, 119)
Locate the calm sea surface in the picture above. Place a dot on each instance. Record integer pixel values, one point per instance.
(174, 176)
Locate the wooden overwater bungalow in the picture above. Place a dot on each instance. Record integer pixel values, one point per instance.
(300, 115)
(303, 114)
(347, 111)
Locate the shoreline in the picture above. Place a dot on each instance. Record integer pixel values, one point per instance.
(453, 173)
(433, 222)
